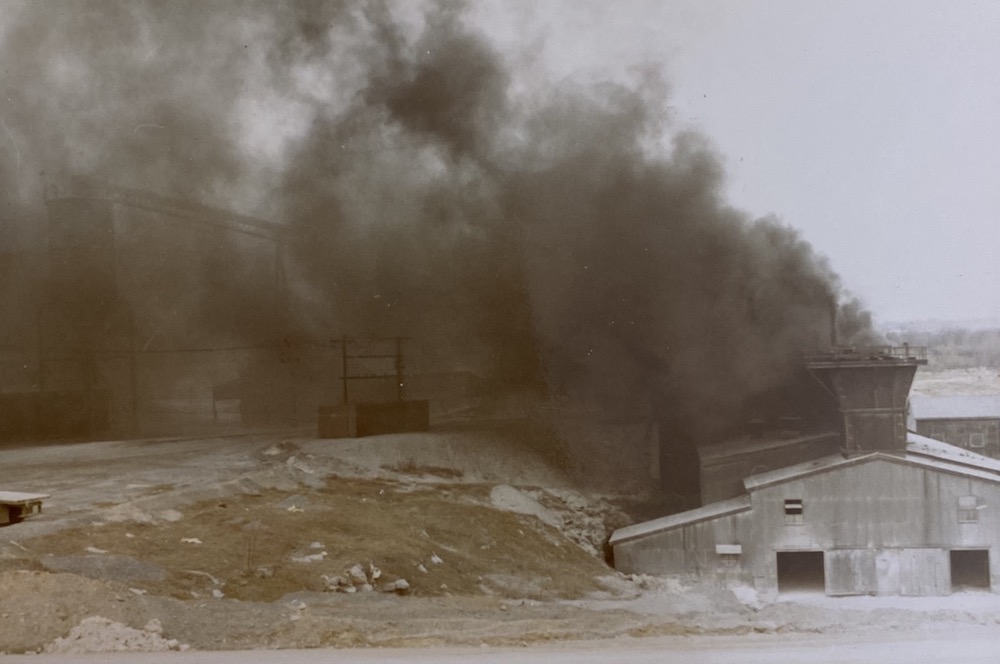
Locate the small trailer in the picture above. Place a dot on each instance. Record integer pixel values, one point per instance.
(14, 505)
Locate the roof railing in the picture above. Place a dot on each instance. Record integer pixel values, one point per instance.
(869, 353)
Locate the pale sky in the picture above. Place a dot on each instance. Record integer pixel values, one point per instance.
(871, 126)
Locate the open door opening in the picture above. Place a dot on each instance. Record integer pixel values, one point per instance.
(801, 571)
(970, 570)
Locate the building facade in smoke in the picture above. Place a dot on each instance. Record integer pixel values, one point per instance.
(131, 304)
(148, 314)
(554, 237)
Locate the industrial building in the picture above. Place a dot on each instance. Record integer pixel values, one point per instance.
(129, 308)
(882, 512)
(130, 313)
(971, 422)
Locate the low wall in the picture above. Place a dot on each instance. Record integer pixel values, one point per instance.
(372, 419)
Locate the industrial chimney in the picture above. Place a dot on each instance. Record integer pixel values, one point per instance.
(871, 386)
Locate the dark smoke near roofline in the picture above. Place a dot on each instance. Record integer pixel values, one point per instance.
(542, 239)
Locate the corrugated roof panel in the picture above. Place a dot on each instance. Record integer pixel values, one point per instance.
(713, 511)
(921, 445)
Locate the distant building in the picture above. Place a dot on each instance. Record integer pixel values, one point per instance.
(126, 308)
(971, 422)
(723, 466)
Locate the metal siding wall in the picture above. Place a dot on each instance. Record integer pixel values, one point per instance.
(689, 550)
(924, 572)
(850, 572)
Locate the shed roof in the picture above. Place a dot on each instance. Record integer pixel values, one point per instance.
(712, 511)
(967, 406)
(923, 446)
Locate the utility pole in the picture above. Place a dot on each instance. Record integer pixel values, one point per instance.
(40, 342)
(343, 365)
(399, 369)
(133, 372)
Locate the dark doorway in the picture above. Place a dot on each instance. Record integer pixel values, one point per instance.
(801, 571)
(970, 570)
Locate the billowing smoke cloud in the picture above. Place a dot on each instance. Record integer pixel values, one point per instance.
(547, 240)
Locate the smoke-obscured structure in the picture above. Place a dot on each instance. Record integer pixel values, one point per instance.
(560, 240)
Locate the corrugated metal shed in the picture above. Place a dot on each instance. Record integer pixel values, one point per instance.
(713, 511)
(955, 407)
(920, 523)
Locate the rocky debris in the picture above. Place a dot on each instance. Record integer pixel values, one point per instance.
(509, 499)
(399, 586)
(357, 574)
(99, 634)
(585, 520)
(359, 580)
(304, 473)
(310, 558)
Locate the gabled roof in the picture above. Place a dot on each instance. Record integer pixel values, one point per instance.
(832, 462)
(713, 511)
(970, 406)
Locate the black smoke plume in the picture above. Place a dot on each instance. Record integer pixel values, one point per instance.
(565, 240)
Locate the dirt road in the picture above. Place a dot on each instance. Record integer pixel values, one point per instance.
(966, 646)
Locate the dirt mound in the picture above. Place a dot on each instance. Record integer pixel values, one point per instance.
(98, 634)
(521, 456)
(38, 607)
(442, 539)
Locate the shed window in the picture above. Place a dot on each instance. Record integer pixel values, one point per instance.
(968, 509)
(977, 441)
(793, 512)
